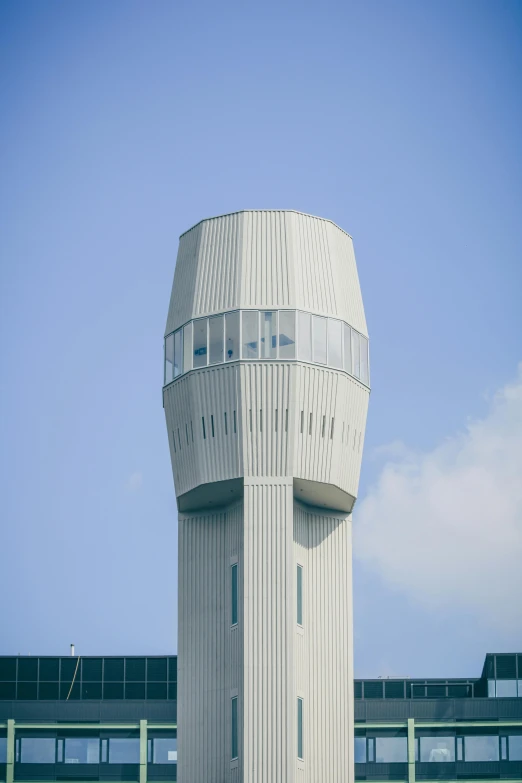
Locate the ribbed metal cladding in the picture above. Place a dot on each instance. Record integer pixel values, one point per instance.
(324, 663)
(299, 434)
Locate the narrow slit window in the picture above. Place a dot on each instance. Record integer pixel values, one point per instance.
(310, 425)
(174, 441)
(302, 422)
(276, 419)
(212, 424)
(204, 432)
(191, 431)
(235, 428)
(179, 439)
(233, 594)
(186, 433)
(286, 420)
(261, 420)
(324, 426)
(332, 428)
(250, 414)
(234, 726)
(300, 749)
(299, 595)
(226, 428)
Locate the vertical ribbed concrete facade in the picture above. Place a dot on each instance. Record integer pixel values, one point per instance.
(266, 394)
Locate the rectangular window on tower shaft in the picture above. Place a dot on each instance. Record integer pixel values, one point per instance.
(234, 722)
(300, 729)
(299, 595)
(233, 595)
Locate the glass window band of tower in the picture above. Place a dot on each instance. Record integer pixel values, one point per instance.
(275, 335)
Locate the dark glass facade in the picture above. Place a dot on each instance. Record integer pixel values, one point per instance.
(114, 719)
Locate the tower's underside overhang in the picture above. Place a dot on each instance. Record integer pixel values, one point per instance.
(222, 493)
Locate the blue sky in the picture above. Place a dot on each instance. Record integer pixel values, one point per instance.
(123, 124)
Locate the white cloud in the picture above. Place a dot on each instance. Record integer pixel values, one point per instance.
(134, 482)
(446, 526)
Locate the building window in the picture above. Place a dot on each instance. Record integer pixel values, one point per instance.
(360, 750)
(187, 347)
(299, 595)
(124, 750)
(164, 750)
(169, 358)
(3, 750)
(437, 749)
(215, 339)
(481, 748)
(235, 727)
(82, 750)
(335, 351)
(232, 336)
(305, 336)
(200, 342)
(37, 750)
(319, 340)
(250, 335)
(390, 750)
(268, 334)
(300, 749)
(233, 574)
(506, 688)
(515, 748)
(287, 334)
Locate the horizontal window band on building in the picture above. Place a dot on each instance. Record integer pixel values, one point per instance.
(259, 335)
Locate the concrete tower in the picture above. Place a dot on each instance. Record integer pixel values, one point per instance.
(266, 394)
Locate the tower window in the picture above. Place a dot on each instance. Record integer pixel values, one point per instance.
(233, 594)
(300, 749)
(235, 733)
(299, 595)
(204, 431)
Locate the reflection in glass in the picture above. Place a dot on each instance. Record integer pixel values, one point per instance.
(169, 358)
(304, 321)
(232, 336)
(215, 339)
(178, 354)
(335, 353)
(515, 748)
(287, 334)
(268, 334)
(82, 750)
(3, 750)
(363, 346)
(391, 749)
(491, 689)
(124, 750)
(165, 750)
(250, 335)
(360, 750)
(200, 342)
(319, 339)
(356, 356)
(37, 750)
(187, 347)
(506, 688)
(437, 749)
(347, 349)
(481, 748)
